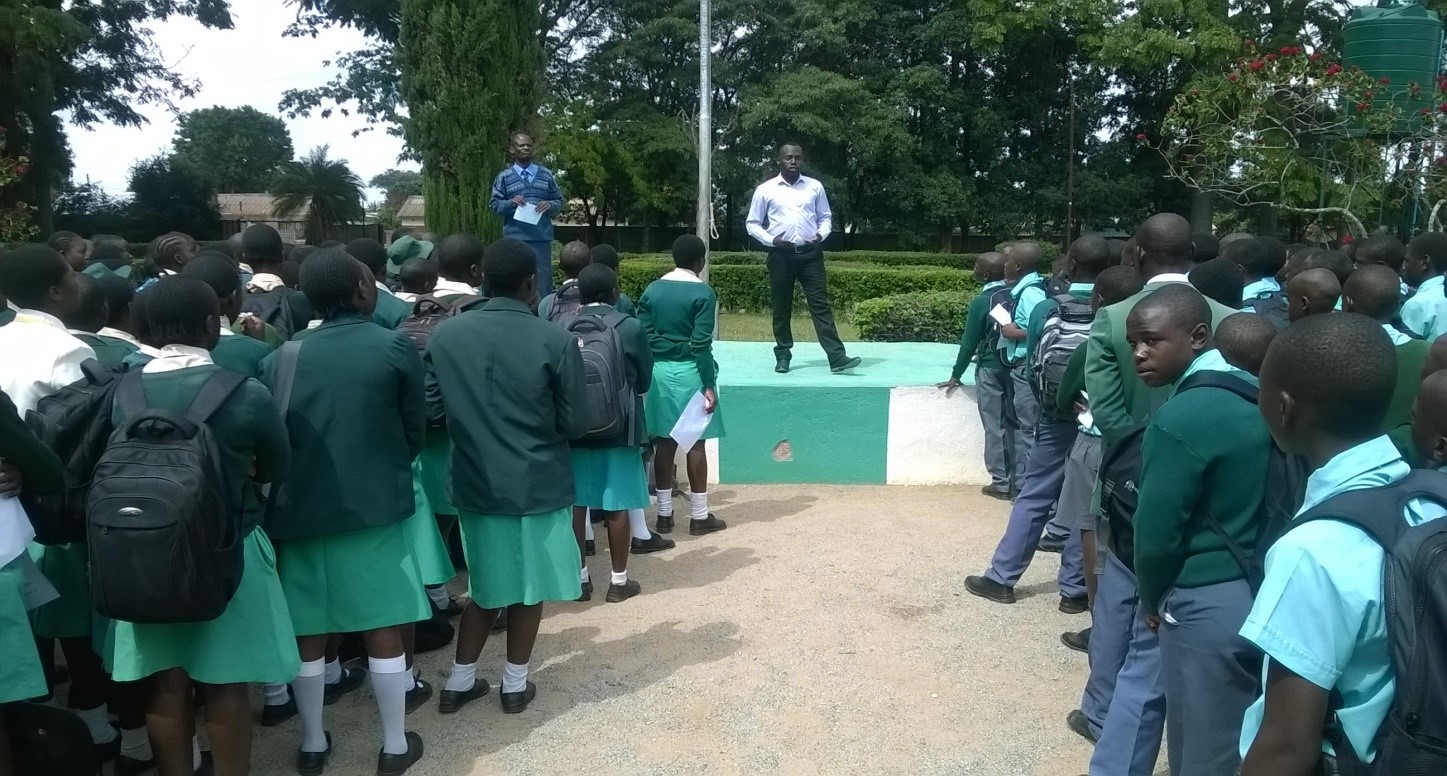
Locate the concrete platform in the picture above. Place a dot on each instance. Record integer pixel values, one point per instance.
(883, 423)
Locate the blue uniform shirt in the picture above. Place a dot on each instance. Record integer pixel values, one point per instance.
(1258, 289)
(1319, 612)
(1027, 293)
(1426, 312)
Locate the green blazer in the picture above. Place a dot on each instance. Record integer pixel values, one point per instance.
(390, 311)
(40, 468)
(109, 351)
(512, 386)
(356, 420)
(241, 354)
(1118, 399)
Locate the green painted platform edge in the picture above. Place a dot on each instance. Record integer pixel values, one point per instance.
(837, 435)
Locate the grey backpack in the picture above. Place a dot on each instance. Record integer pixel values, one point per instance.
(1067, 328)
(567, 303)
(610, 396)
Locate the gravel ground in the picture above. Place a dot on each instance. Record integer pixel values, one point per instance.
(826, 631)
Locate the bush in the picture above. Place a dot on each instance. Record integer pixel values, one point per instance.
(932, 316)
(964, 261)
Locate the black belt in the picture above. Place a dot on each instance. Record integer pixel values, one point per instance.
(796, 249)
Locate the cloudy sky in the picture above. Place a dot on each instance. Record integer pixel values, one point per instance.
(249, 65)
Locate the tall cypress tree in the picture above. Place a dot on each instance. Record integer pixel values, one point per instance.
(472, 71)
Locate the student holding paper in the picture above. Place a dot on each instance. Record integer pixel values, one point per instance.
(677, 312)
(524, 195)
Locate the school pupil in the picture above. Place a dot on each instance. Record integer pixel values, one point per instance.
(92, 315)
(1374, 291)
(1222, 280)
(1260, 260)
(608, 470)
(1425, 313)
(1436, 357)
(338, 522)
(267, 295)
(1383, 249)
(459, 266)
(418, 277)
(1319, 617)
(252, 639)
(1027, 289)
(607, 255)
(1206, 248)
(390, 311)
(1429, 422)
(233, 351)
(1243, 339)
(677, 312)
(169, 252)
(71, 247)
(563, 304)
(992, 379)
(1313, 292)
(514, 395)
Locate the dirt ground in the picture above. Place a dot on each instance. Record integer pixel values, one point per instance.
(826, 631)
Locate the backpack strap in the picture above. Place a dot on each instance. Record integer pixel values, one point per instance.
(129, 396)
(213, 394)
(286, 376)
(1223, 380)
(1363, 508)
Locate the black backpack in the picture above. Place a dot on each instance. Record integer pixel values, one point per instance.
(1009, 301)
(1120, 471)
(51, 741)
(164, 544)
(1272, 306)
(75, 423)
(567, 303)
(429, 311)
(1065, 331)
(610, 396)
(272, 307)
(1413, 738)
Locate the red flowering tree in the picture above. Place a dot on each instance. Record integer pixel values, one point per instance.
(16, 223)
(1294, 131)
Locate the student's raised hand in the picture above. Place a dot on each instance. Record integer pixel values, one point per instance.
(710, 400)
(10, 480)
(544, 207)
(519, 201)
(949, 386)
(252, 326)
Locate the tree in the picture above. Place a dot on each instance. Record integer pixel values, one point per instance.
(170, 197)
(87, 209)
(398, 185)
(471, 74)
(15, 225)
(233, 149)
(328, 189)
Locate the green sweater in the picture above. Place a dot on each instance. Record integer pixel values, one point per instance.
(356, 420)
(1205, 451)
(1398, 422)
(679, 317)
(109, 351)
(6, 315)
(977, 327)
(512, 385)
(240, 353)
(390, 311)
(1072, 385)
(248, 432)
(40, 468)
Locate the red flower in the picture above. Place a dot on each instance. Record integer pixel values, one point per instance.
(1333, 69)
(1315, 55)
(1232, 77)
(1270, 57)
(21, 169)
(1425, 111)
(1384, 80)
(1347, 239)
(1363, 107)
(1442, 108)
(1257, 64)
(1141, 136)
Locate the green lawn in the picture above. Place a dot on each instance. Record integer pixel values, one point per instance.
(759, 327)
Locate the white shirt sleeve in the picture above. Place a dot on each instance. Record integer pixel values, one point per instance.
(823, 214)
(758, 209)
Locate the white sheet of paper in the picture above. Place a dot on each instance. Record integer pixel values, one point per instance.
(1087, 419)
(691, 423)
(527, 214)
(15, 530)
(1001, 315)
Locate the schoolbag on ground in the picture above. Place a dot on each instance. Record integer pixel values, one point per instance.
(272, 307)
(52, 741)
(1067, 328)
(1120, 473)
(75, 423)
(164, 544)
(1413, 738)
(1272, 306)
(429, 311)
(567, 303)
(610, 397)
(1009, 302)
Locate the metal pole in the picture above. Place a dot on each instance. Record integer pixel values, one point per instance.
(1070, 186)
(704, 220)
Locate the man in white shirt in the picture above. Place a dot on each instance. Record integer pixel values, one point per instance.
(790, 216)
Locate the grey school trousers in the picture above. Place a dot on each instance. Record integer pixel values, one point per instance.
(1024, 415)
(992, 396)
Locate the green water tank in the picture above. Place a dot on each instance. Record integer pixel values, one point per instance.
(1401, 41)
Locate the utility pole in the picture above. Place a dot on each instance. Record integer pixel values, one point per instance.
(704, 221)
(1070, 185)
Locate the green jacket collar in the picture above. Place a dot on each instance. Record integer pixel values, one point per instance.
(506, 304)
(344, 319)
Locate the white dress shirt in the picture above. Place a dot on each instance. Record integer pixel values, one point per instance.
(447, 287)
(41, 357)
(799, 213)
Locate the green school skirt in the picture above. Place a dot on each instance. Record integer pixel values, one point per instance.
(21, 677)
(425, 537)
(252, 641)
(674, 384)
(520, 559)
(609, 478)
(437, 470)
(354, 581)
(71, 615)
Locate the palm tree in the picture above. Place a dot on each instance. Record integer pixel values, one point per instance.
(327, 188)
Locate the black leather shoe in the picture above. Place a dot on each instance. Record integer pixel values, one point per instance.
(654, 543)
(110, 750)
(397, 764)
(130, 766)
(782, 366)
(1077, 640)
(1048, 544)
(1078, 724)
(707, 525)
(313, 763)
(993, 492)
(517, 702)
(452, 701)
(623, 592)
(845, 365)
(271, 716)
(1074, 604)
(208, 764)
(587, 592)
(664, 525)
(985, 587)
(352, 678)
(455, 607)
(590, 548)
(418, 696)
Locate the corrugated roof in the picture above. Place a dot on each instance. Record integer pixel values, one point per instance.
(255, 207)
(413, 207)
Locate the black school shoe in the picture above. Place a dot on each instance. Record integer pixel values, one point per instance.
(110, 750)
(271, 716)
(419, 695)
(985, 587)
(129, 766)
(397, 764)
(782, 366)
(1074, 604)
(623, 592)
(707, 525)
(1048, 544)
(313, 763)
(664, 525)
(590, 548)
(352, 678)
(1077, 640)
(587, 593)
(517, 702)
(1078, 724)
(993, 492)
(654, 543)
(452, 701)
(846, 365)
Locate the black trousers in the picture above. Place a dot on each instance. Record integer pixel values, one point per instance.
(786, 267)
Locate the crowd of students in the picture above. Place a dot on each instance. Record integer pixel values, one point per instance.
(379, 406)
(1222, 438)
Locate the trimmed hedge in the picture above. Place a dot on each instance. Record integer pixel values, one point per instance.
(964, 261)
(932, 316)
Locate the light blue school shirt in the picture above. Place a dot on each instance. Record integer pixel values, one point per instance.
(1396, 335)
(1319, 611)
(1212, 361)
(1258, 289)
(1426, 312)
(1027, 293)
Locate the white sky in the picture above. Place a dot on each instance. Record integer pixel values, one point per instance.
(251, 64)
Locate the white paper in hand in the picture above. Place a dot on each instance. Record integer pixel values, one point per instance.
(15, 530)
(1001, 315)
(691, 423)
(527, 214)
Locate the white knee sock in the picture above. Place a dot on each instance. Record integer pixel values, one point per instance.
(389, 684)
(588, 526)
(514, 677)
(638, 525)
(698, 505)
(462, 678)
(620, 577)
(98, 721)
(584, 576)
(310, 688)
(333, 672)
(438, 595)
(135, 744)
(664, 500)
(275, 694)
(195, 753)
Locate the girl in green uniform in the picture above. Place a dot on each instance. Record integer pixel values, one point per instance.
(252, 640)
(678, 313)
